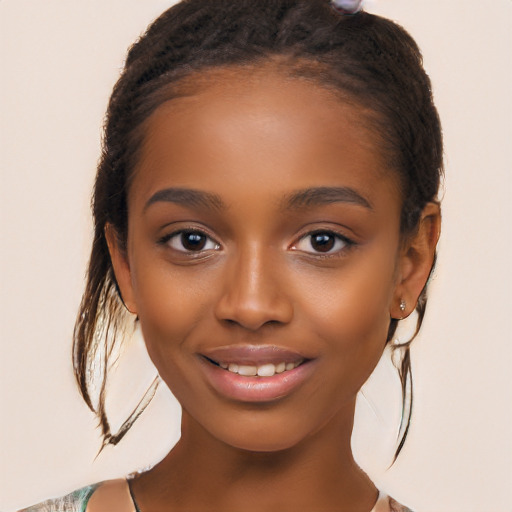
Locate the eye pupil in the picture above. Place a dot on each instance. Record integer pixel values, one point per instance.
(322, 242)
(193, 241)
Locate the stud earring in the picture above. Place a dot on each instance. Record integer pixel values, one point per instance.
(402, 307)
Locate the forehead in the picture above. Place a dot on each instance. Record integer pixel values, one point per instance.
(259, 126)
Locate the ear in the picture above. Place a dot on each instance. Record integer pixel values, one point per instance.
(416, 261)
(121, 268)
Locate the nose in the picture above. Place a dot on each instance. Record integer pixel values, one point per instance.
(252, 294)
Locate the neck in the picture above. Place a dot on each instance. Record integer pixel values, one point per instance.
(203, 473)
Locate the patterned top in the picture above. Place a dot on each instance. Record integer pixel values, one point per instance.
(74, 502)
(77, 502)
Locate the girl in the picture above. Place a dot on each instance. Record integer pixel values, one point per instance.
(265, 208)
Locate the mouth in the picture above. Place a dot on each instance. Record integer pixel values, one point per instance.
(255, 373)
(257, 370)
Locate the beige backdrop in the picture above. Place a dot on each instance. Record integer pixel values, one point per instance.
(59, 60)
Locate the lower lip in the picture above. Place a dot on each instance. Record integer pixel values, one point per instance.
(255, 389)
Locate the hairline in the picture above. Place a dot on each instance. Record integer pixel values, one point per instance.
(193, 81)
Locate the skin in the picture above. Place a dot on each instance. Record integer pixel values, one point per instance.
(254, 140)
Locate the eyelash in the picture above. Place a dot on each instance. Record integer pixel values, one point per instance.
(333, 251)
(178, 235)
(328, 235)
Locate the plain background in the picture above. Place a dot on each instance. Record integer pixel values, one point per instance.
(59, 60)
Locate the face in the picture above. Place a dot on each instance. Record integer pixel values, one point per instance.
(263, 238)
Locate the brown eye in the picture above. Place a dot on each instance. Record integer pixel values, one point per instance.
(192, 241)
(322, 242)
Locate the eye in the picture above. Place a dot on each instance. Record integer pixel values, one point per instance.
(191, 241)
(322, 242)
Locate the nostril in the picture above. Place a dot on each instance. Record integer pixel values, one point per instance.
(252, 297)
(253, 324)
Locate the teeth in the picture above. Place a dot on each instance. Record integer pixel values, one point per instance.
(280, 368)
(264, 370)
(248, 371)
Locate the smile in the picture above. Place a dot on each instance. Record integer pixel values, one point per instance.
(255, 374)
(263, 370)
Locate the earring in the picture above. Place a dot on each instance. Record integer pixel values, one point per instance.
(402, 307)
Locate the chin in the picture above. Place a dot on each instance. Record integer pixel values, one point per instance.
(268, 443)
(263, 436)
(262, 444)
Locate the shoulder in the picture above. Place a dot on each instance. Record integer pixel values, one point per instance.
(388, 504)
(73, 502)
(394, 506)
(101, 497)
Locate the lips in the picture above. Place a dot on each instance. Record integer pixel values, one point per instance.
(253, 354)
(254, 373)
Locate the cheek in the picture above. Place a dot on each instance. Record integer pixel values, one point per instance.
(171, 304)
(349, 313)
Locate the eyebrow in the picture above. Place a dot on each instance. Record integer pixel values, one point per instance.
(187, 197)
(318, 196)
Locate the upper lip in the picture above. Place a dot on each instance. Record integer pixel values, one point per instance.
(253, 354)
